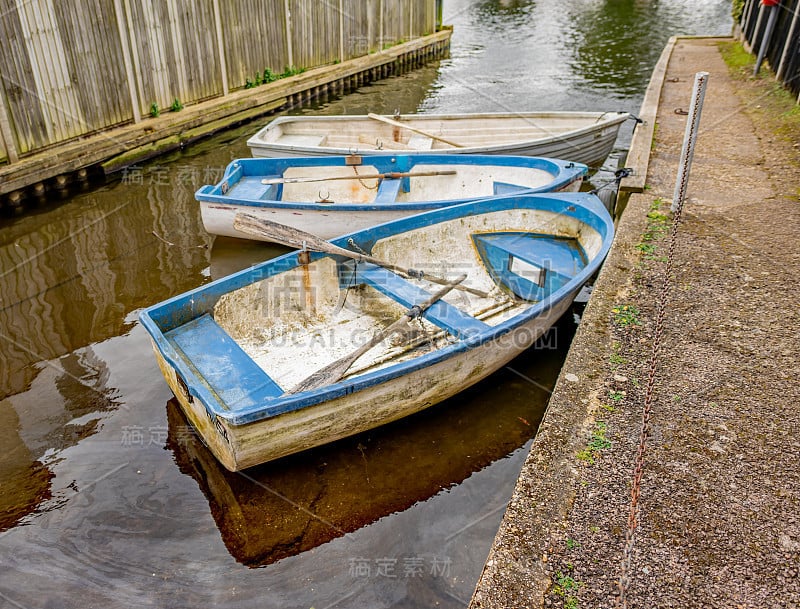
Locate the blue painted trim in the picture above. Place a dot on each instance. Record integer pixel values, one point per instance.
(444, 315)
(165, 316)
(230, 372)
(564, 173)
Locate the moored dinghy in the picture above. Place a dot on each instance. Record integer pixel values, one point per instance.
(330, 196)
(243, 354)
(585, 137)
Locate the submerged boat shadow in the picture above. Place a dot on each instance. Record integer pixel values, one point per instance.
(286, 507)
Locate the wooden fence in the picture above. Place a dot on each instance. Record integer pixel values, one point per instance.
(73, 68)
(783, 45)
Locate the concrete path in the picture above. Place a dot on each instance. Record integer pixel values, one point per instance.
(719, 510)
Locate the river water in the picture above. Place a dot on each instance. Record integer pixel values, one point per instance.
(106, 497)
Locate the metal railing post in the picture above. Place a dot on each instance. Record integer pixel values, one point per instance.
(689, 139)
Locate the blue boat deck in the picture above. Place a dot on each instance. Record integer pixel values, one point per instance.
(223, 364)
(530, 265)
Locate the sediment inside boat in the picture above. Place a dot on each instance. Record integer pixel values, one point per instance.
(299, 321)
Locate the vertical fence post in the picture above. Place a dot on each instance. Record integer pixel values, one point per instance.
(223, 64)
(341, 30)
(130, 75)
(6, 135)
(380, 26)
(689, 139)
(772, 7)
(137, 70)
(787, 45)
(289, 54)
(747, 16)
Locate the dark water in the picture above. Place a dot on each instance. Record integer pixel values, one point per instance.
(106, 497)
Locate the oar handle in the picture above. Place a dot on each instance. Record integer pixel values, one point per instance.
(334, 371)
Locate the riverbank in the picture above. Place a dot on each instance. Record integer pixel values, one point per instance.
(719, 510)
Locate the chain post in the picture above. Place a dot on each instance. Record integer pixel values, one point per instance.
(689, 139)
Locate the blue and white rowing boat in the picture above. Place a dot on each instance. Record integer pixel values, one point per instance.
(333, 195)
(344, 336)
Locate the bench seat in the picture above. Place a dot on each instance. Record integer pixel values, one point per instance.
(222, 363)
(442, 314)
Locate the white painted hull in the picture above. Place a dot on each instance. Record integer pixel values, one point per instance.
(327, 222)
(238, 352)
(583, 137)
(242, 446)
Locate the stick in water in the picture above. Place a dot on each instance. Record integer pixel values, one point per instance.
(335, 371)
(294, 237)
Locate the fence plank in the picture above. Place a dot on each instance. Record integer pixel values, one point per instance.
(69, 69)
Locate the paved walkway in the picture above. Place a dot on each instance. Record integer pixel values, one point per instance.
(719, 519)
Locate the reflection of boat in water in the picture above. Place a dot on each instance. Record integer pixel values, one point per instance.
(230, 255)
(297, 503)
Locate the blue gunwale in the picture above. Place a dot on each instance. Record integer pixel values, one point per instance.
(564, 172)
(165, 316)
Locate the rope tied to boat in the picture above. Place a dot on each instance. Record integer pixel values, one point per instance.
(414, 312)
(619, 175)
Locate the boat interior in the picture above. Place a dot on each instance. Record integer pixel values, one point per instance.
(365, 183)
(263, 339)
(351, 133)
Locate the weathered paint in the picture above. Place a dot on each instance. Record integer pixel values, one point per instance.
(334, 207)
(384, 388)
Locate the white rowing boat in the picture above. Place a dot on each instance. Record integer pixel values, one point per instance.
(584, 137)
(327, 342)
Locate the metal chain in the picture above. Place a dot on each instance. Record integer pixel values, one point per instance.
(638, 470)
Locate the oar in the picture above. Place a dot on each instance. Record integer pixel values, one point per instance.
(392, 175)
(293, 237)
(336, 370)
(394, 123)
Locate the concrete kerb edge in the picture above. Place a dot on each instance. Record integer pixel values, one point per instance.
(515, 572)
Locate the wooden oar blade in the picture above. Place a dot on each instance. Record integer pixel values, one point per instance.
(293, 237)
(266, 229)
(287, 235)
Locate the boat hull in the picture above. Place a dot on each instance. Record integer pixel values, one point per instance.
(241, 446)
(321, 195)
(326, 222)
(590, 139)
(238, 352)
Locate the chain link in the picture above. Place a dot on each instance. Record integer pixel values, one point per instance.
(638, 470)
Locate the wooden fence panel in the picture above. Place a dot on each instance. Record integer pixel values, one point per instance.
(255, 38)
(360, 27)
(94, 62)
(69, 69)
(16, 71)
(315, 32)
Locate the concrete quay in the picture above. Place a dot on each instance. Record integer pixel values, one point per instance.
(718, 519)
